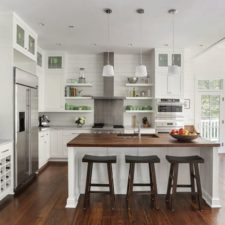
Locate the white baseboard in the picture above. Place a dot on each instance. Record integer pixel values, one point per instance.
(212, 202)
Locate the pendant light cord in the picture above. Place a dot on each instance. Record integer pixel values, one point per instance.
(173, 31)
(108, 26)
(141, 38)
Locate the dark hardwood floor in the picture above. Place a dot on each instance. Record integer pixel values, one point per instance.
(43, 203)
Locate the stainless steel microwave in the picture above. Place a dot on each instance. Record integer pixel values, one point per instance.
(169, 107)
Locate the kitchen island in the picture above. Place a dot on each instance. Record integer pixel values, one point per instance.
(120, 145)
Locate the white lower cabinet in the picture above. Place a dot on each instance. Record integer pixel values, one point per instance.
(56, 151)
(43, 148)
(58, 142)
(6, 170)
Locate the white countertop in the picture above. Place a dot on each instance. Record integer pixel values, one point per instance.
(4, 141)
(65, 127)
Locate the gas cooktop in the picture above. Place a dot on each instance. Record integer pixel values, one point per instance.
(103, 126)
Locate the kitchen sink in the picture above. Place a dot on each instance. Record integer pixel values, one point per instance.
(136, 135)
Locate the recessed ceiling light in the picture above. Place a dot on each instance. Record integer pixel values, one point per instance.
(41, 24)
(71, 26)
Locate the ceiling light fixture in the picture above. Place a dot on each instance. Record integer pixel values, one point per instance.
(71, 26)
(141, 70)
(41, 24)
(173, 69)
(108, 70)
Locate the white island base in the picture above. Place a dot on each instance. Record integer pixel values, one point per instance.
(77, 170)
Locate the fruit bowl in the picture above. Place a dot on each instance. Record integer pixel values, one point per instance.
(185, 138)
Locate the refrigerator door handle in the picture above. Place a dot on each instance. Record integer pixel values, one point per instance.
(28, 128)
(21, 122)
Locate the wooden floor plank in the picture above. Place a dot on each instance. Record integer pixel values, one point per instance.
(43, 203)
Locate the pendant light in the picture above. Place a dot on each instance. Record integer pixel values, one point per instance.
(108, 70)
(141, 70)
(173, 69)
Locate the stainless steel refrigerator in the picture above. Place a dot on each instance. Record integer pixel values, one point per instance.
(26, 127)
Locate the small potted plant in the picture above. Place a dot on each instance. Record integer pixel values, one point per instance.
(80, 121)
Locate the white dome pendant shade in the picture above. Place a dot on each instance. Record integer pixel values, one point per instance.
(173, 70)
(108, 71)
(141, 71)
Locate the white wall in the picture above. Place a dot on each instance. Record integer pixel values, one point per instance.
(6, 76)
(124, 66)
(189, 90)
(211, 65)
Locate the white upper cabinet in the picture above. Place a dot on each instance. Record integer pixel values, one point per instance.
(54, 82)
(40, 72)
(167, 86)
(24, 38)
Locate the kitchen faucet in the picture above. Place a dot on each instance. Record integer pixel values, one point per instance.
(139, 130)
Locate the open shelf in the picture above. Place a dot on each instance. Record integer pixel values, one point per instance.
(139, 111)
(139, 98)
(79, 111)
(139, 85)
(79, 84)
(79, 98)
(70, 111)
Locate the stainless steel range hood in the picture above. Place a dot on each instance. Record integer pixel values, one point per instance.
(108, 108)
(108, 82)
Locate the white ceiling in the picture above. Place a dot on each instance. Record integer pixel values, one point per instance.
(197, 22)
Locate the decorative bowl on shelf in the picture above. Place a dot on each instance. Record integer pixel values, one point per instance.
(132, 80)
(185, 138)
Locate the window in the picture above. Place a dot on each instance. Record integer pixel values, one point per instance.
(210, 85)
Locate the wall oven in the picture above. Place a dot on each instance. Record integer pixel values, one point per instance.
(169, 108)
(169, 114)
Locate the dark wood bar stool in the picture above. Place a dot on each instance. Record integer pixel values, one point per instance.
(193, 162)
(90, 159)
(151, 160)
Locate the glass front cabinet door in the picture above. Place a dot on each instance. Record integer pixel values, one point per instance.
(24, 38)
(163, 60)
(31, 45)
(176, 59)
(20, 36)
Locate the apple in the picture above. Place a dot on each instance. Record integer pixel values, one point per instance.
(173, 131)
(181, 131)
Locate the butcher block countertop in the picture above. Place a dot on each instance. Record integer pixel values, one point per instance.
(114, 140)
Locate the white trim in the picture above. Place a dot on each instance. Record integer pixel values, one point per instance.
(79, 84)
(71, 203)
(139, 85)
(212, 202)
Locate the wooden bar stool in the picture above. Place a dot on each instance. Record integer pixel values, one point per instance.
(90, 159)
(193, 162)
(151, 160)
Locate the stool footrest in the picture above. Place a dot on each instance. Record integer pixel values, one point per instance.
(99, 185)
(142, 184)
(100, 192)
(142, 192)
(184, 185)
